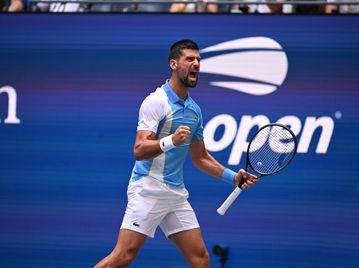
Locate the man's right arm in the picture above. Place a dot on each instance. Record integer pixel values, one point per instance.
(146, 147)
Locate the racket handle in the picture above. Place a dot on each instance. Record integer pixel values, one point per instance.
(228, 202)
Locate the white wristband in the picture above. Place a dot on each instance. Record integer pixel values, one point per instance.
(166, 143)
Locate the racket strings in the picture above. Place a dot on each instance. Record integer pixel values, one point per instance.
(271, 149)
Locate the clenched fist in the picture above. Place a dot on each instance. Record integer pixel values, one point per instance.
(181, 135)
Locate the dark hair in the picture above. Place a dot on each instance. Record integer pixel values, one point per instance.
(176, 48)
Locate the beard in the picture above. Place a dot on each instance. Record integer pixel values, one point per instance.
(189, 82)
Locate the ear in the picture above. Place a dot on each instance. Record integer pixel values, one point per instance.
(173, 64)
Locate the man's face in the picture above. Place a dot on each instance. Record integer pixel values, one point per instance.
(188, 67)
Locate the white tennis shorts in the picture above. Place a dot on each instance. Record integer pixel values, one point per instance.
(152, 203)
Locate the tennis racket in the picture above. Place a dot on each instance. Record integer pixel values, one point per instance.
(271, 149)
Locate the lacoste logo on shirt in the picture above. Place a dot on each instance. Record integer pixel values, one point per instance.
(136, 224)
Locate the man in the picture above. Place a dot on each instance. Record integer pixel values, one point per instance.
(170, 124)
(342, 9)
(15, 5)
(201, 7)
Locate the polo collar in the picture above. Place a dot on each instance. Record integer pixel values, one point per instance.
(173, 96)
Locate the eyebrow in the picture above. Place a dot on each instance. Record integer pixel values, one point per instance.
(194, 57)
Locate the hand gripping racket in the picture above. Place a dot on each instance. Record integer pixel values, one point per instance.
(270, 150)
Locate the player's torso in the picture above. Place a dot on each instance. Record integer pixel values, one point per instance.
(168, 167)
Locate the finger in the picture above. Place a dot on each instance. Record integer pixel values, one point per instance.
(244, 174)
(184, 136)
(253, 179)
(185, 132)
(251, 182)
(250, 176)
(244, 186)
(184, 128)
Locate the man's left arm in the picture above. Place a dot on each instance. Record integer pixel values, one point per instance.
(209, 165)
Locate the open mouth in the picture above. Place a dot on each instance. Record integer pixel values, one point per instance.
(193, 74)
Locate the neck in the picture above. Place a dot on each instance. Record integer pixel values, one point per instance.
(180, 90)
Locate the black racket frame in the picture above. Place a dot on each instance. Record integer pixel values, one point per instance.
(248, 163)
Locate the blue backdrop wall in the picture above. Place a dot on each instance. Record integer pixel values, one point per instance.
(70, 89)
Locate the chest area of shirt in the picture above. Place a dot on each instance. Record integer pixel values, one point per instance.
(183, 116)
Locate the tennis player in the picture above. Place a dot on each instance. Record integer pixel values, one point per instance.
(170, 123)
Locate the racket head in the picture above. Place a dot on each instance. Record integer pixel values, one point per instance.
(271, 149)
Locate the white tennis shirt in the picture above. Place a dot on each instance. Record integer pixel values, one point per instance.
(162, 112)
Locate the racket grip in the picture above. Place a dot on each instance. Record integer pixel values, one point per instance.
(228, 202)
